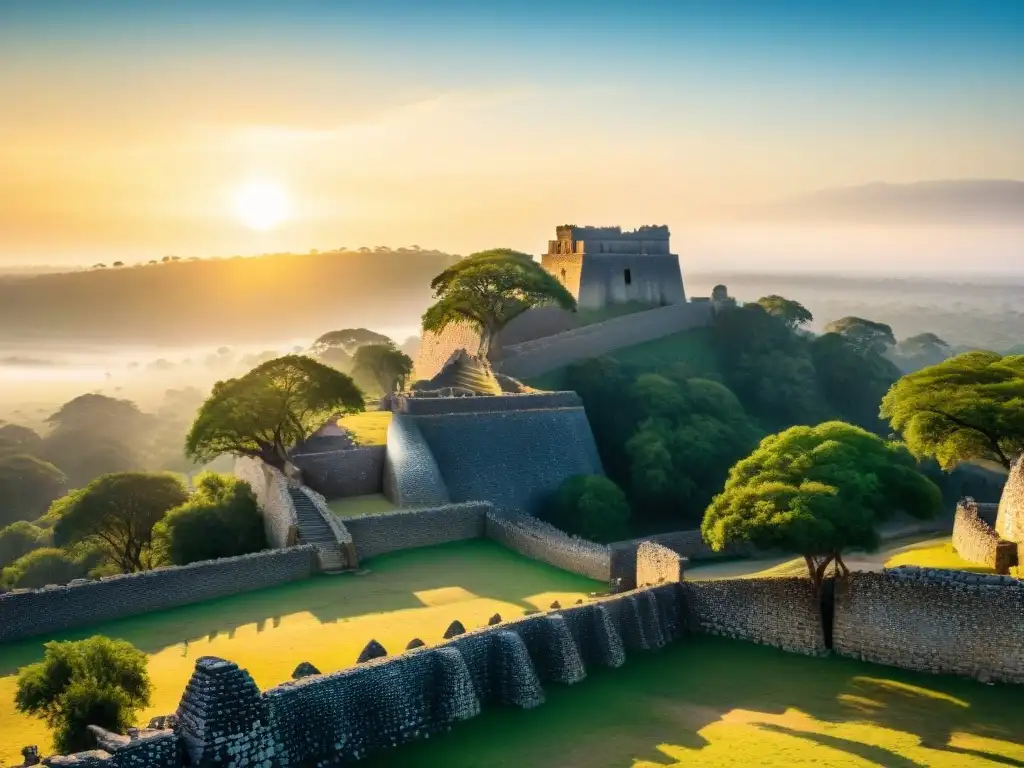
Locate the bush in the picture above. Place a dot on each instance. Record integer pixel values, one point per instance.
(220, 519)
(97, 681)
(48, 566)
(591, 506)
(18, 539)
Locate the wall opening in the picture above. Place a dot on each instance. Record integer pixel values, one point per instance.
(627, 276)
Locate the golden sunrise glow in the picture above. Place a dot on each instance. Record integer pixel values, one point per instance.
(261, 205)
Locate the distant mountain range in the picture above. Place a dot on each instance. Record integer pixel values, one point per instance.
(956, 201)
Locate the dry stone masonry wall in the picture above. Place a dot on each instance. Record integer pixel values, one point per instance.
(950, 622)
(1010, 520)
(405, 529)
(411, 475)
(537, 540)
(30, 613)
(340, 474)
(782, 612)
(656, 564)
(975, 538)
(689, 544)
(271, 490)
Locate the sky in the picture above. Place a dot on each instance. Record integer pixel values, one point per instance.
(128, 129)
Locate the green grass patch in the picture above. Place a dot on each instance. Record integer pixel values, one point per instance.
(367, 428)
(326, 620)
(360, 506)
(716, 702)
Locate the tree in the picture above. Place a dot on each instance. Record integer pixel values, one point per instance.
(924, 349)
(270, 409)
(48, 565)
(864, 335)
(792, 313)
(117, 513)
(83, 455)
(817, 491)
(15, 438)
(97, 681)
(968, 407)
(347, 341)
(489, 289)
(852, 383)
(27, 487)
(591, 506)
(387, 366)
(220, 519)
(18, 539)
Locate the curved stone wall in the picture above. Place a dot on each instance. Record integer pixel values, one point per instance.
(1010, 520)
(411, 475)
(975, 539)
(270, 486)
(536, 539)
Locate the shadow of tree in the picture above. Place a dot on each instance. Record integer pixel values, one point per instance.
(875, 754)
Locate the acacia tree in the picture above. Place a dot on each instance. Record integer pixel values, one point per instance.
(384, 363)
(489, 289)
(816, 491)
(863, 335)
(967, 407)
(345, 342)
(268, 410)
(117, 513)
(792, 313)
(27, 487)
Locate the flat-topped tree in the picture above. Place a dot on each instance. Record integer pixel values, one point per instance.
(387, 365)
(967, 407)
(816, 491)
(863, 335)
(489, 289)
(270, 409)
(792, 313)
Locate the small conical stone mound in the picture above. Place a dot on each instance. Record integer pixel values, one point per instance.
(564, 660)
(495, 619)
(516, 680)
(454, 629)
(609, 641)
(580, 601)
(556, 605)
(373, 650)
(414, 643)
(305, 669)
(457, 697)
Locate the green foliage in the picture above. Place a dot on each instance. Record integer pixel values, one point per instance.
(84, 455)
(269, 409)
(968, 407)
(920, 351)
(792, 313)
(346, 341)
(864, 335)
(816, 491)
(591, 506)
(97, 681)
(48, 565)
(117, 513)
(27, 487)
(490, 289)
(18, 539)
(852, 383)
(386, 365)
(220, 519)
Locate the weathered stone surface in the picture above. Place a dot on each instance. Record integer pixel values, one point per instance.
(414, 643)
(304, 669)
(656, 564)
(455, 628)
(495, 619)
(1010, 518)
(373, 650)
(406, 529)
(975, 538)
(339, 473)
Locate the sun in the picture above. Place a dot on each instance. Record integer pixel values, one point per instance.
(261, 204)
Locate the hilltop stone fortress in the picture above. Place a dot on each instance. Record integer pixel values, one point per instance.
(471, 453)
(602, 267)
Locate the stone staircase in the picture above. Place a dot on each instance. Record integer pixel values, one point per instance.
(313, 529)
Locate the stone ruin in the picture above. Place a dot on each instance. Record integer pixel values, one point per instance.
(993, 534)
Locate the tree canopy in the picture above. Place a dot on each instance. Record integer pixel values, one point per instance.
(591, 506)
(18, 539)
(97, 681)
(346, 341)
(48, 565)
(15, 438)
(489, 289)
(792, 313)
(864, 335)
(387, 366)
(816, 491)
(967, 407)
(270, 409)
(27, 487)
(852, 383)
(117, 514)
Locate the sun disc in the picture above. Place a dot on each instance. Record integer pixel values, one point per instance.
(261, 205)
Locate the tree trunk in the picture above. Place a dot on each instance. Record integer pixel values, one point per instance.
(816, 567)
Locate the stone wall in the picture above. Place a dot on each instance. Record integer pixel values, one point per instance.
(623, 278)
(781, 612)
(512, 459)
(411, 475)
(656, 564)
(527, 401)
(949, 622)
(339, 474)
(975, 539)
(29, 613)
(1010, 519)
(688, 544)
(409, 528)
(536, 539)
(334, 719)
(536, 357)
(271, 489)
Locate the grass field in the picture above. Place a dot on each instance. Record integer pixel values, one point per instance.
(713, 702)
(358, 506)
(367, 428)
(326, 620)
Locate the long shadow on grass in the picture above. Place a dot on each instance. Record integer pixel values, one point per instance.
(658, 703)
(478, 568)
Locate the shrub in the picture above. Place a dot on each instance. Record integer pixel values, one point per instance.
(48, 566)
(97, 681)
(18, 539)
(591, 506)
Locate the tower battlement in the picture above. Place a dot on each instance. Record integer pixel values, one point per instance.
(650, 239)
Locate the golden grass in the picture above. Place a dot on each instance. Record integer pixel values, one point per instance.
(367, 428)
(359, 506)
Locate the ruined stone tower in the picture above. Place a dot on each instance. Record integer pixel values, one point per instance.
(601, 266)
